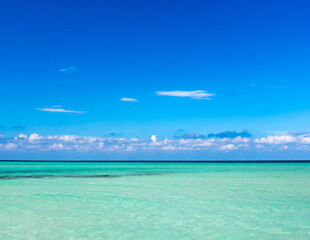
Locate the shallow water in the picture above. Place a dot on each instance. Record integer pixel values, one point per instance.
(154, 201)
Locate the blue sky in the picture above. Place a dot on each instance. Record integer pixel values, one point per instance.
(174, 69)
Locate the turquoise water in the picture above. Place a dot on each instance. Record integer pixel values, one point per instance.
(154, 201)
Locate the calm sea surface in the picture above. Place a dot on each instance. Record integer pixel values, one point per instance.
(154, 201)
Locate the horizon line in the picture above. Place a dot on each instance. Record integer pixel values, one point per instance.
(165, 161)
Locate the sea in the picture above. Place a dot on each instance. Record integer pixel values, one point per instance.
(154, 200)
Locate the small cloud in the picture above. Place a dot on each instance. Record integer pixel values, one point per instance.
(11, 146)
(198, 94)
(231, 134)
(153, 138)
(56, 146)
(21, 136)
(167, 148)
(34, 137)
(129, 149)
(126, 99)
(284, 147)
(68, 69)
(259, 146)
(228, 147)
(60, 110)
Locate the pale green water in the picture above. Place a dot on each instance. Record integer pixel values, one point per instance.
(154, 201)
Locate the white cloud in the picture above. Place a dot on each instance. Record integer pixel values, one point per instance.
(126, 99)
(11, 146)
(34, 137)
(68, 69)
(153, 138)
(228, 147)
(241, 139)
(129, 149)
(60, 110)
(305, 139)
(244, 145)
(57, 146)
(276, 139)
(167, 148)
(284, 147)
(68, 138)
(259, 146)
(198, 94)
(22, 136)
(302, 148)
(197, 142)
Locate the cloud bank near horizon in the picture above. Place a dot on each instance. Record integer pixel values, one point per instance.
(72, 143)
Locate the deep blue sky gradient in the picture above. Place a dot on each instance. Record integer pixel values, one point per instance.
(254, 55)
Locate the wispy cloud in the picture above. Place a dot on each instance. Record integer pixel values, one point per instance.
(59, 110)
(126, 99)
(198, 94)
(68, 69)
